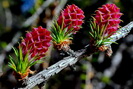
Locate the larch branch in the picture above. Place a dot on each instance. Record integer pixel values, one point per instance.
(44, 75)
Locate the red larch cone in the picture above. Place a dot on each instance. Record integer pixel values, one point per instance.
(36, 42)
(109, 15)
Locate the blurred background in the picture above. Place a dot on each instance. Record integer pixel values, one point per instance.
(95, 72)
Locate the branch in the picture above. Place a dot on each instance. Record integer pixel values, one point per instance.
(122, 32)
(52, 70)
(44, 75)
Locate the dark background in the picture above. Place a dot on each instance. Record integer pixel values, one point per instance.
(95, 72)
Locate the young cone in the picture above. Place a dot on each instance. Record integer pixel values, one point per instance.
(104, 24)
(68, 23)
(32, 48)
(36, 42)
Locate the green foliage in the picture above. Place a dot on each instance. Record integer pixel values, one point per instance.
(22, 63)
(97, 34)
(59, 34)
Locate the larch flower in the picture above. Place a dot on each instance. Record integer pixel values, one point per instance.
(30, 52)
(68, 23)
(104, 24)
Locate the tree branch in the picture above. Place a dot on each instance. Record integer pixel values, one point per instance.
(122, 32)
(52, 70)
(44, 75)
